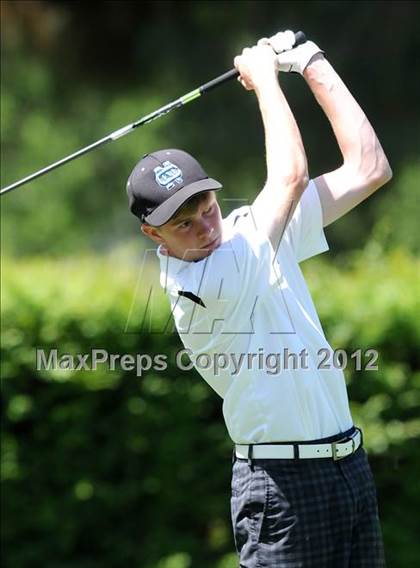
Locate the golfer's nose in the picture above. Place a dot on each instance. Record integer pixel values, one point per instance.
(205, 229)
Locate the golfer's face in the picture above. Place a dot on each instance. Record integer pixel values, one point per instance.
(195, 235)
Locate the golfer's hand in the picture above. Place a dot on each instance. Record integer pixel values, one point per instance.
(289, 58)
(257, 66)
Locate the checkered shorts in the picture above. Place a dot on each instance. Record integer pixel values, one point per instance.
(306, 513)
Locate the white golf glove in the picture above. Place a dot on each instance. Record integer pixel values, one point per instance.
(291, 59)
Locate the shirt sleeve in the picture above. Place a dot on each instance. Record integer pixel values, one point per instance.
(305, 231)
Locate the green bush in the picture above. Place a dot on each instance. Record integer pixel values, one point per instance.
(105, 468)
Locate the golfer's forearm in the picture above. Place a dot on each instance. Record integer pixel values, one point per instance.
(285, 154)
(359, 145)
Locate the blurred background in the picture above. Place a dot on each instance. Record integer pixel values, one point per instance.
(107, 469)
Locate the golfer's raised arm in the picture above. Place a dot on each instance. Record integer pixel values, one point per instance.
(365, 167)
(287, 174)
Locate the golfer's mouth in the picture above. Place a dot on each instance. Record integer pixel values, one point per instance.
(213, 244)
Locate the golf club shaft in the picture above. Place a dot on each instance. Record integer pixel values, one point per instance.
(181, 101)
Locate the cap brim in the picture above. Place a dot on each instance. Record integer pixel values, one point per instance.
(164, 212)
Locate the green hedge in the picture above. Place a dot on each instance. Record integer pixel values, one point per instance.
(105, 468)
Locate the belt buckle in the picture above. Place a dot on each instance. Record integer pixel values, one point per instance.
(334, 444)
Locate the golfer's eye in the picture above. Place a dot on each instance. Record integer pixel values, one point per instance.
(209, 210)
(184, 225)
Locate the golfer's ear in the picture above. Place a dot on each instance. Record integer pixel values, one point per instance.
(151, 232)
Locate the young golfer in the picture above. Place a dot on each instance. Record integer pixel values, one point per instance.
(302, 489)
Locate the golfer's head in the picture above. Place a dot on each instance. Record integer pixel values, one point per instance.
(194, 232)
(176, 203)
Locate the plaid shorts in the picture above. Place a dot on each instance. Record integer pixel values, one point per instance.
(306, 513)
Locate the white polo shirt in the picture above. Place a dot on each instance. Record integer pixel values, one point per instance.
(246, 315)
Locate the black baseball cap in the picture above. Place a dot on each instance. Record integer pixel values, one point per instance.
(162, 182)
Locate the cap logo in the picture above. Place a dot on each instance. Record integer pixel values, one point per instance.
(168, 175)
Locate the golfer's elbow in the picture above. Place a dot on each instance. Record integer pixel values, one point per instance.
(296, 183)
(298, 178)
(292, 182)
(380, 174)
(371, 172)
(384, 173)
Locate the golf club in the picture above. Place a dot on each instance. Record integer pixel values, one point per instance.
(181, 101)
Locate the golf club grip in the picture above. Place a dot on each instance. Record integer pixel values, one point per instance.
(299, 39)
